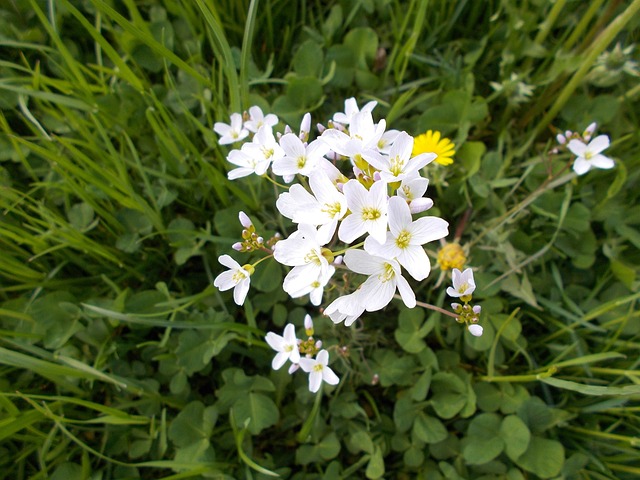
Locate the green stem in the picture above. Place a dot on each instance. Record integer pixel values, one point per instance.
(308, 423)
(518, 378)
(247, 40)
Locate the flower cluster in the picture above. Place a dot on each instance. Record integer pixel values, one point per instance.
(289, 347)
(358, 205)
(463, 287)
(359, 180)
(588, 152)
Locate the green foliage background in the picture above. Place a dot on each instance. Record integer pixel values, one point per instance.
(119, 359)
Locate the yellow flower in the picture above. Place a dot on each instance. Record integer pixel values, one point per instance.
(431, 142)
(451, 256)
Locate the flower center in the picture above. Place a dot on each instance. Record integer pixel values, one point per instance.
(407, 192)
(318, 367)
(234, 134)
(463, 288)
(267, 152)
(403, 239)
(315, 284)
(302, 161)
(588, 155)
(370, 213)
(288, 348)
(331, 209)
(388, 274)
(313, 257)
(238, 276)
(396, 165)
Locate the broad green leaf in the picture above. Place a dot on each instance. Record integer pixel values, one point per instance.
(429, 429)
(516, 436)
(543, 457)
(484, 442)
(307, 60)
(193, 425)
(258, 408)
(411, 330)
(375, 467)
(449, 394)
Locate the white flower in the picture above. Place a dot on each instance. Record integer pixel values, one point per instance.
(350, 109)
(325, 207)
(346, 308)
(589, 155)
(299, 158)
(384, 278)
(258, 119)
(386, 141)
(237, 277)
(362, 140)
(286, 346)
(412, 189)
(311, 272)
(231, 133)
(399, 165)
(319, 371)
(463, 283)
(475, 330)
(368, 211)
(263, 147)
(247, 164)
(406, 237)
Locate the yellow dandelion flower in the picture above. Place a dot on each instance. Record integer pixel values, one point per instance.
(451, 256)
(433, 142)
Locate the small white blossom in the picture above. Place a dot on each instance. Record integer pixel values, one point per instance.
(368, 211)
(589, 156)
(231, 133)
(384, 278)
(350, 109)
(345, 309)
(286, 346)
(399, 164)
(463, 283)
(237, 277)
(405, 239)
(257, 119)
(299, 158)
(319, 371)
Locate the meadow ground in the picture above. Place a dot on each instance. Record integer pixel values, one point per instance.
(120, 357)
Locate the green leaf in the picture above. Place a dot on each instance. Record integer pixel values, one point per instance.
(449, 394)
(196, 348)
(429, 429)
(516, 436)
(307, 60)
(484, 441)
(411, 330)
(543, 457)
(193, 425)
(592, 389)
(470, 156)
(258, 408)
(375, 467)
(81, 215)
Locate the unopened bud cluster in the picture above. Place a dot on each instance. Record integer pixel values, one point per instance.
(463, 287)
(251, 241)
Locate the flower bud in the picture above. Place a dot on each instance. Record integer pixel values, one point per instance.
(308, 325)
(419, 205)
(477, 309)
(237, 246)
(245, 220)
(561, 139)
(475, 330)
(293, 368)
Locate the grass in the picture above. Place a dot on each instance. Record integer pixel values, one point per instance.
(119, 359)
